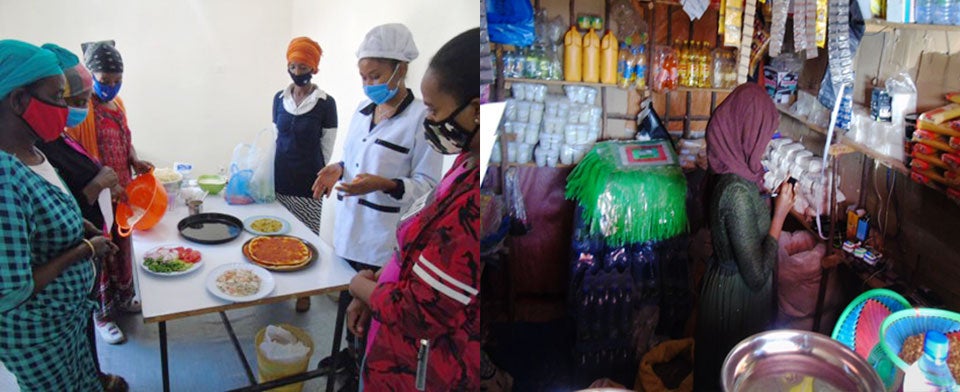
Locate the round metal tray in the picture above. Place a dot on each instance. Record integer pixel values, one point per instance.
(210, 228)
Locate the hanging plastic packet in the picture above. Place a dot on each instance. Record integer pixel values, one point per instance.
(732, 20)
(821, 23)
(515, 206)
(799, 26)
(746, 43)
(779, 26)
(811, 29)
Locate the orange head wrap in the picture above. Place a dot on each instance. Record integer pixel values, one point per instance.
(306, 51)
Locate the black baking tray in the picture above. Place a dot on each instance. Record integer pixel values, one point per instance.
(210, 228)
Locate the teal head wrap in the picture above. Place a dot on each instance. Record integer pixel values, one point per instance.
(22, 63)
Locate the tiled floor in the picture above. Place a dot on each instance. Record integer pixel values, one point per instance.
(201, 356)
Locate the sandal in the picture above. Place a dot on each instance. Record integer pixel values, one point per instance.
(109, 332)
(113, 383)
(131, 306)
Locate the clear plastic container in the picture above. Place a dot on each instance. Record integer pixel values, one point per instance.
(941, 12)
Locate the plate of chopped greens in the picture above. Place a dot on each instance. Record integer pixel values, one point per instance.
(171, 260)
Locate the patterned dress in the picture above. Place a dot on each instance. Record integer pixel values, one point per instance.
(42, 336)
(436, 299)
(114, 144)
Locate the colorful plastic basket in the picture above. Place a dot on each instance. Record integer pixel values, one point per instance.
(859, 329)
(906, 323)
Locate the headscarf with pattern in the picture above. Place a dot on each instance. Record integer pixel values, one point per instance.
(739, 132)
(102, 56)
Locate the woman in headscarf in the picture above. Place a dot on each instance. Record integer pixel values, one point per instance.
(427, 298)
(387, 164)
(47, 272)
(737, 298)
(106, 137)
(83, 175)
(306, 120)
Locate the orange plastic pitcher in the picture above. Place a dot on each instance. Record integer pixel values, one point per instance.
(572, 58)
(591, 57)
(146, 203)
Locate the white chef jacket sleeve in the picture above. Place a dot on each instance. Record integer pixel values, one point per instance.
(426, 166)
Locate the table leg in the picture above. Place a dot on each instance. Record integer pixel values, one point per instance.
(337, 337)
(236, 345)
(165, 371)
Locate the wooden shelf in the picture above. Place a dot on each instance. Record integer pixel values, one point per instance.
(878, 25)
(843, 139)
(701, 90)
(508, 81)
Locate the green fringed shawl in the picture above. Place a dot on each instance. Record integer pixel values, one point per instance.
(630, 201)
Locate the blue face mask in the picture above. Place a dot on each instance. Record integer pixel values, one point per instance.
(76, 116)
(380, 93)
(104, 92)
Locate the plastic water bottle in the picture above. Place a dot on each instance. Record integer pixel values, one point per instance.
(955, 14)
(931, 372)
(941, 11)
(925, 11)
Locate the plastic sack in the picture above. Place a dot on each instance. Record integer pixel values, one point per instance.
(510, 22)
(251, 170)
(798, 279)
(291, 358)
(649, 125)
(649, 380)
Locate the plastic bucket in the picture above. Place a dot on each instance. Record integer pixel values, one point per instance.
(145, 206)
(268, 370)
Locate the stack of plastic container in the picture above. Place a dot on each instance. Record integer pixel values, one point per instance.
(550, 129)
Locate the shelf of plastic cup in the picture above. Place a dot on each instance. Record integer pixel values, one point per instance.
(531, 164)
(508, 81)
(877, 25)
(843, 139)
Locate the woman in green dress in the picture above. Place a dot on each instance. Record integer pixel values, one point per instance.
(47, 270)
(737, 297)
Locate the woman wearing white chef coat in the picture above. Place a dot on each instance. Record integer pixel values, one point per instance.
(387, 162)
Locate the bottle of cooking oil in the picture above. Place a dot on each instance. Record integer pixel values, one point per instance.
(682, 62)
(641, 68)
(625, 66)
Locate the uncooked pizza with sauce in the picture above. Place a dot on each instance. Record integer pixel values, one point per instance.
(278, 252)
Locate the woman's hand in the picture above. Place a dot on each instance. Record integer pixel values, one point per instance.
(141, 167)
(106, 179)
(365, 183)
(363, 284)
(358, 317)
(102, 246)
(326, 178)
(785, 199)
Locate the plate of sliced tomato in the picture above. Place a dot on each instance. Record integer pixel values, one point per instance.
(171, 260)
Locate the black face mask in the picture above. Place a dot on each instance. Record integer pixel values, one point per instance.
(300, 80)
(448, 137)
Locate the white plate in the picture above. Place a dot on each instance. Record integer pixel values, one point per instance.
(266, 282)
(284, 229)
(195, 266)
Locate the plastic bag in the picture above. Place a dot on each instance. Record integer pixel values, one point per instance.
(903, 97)
(251, 171)
(510, 22)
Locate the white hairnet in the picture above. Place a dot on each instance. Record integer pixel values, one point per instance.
(390, 41)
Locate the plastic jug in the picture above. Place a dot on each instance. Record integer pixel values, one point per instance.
(145, 206)
(572, 57)
(608, 58)
(591, 57)
(931, 372)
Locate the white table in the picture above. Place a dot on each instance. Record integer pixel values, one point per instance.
(165, 298)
